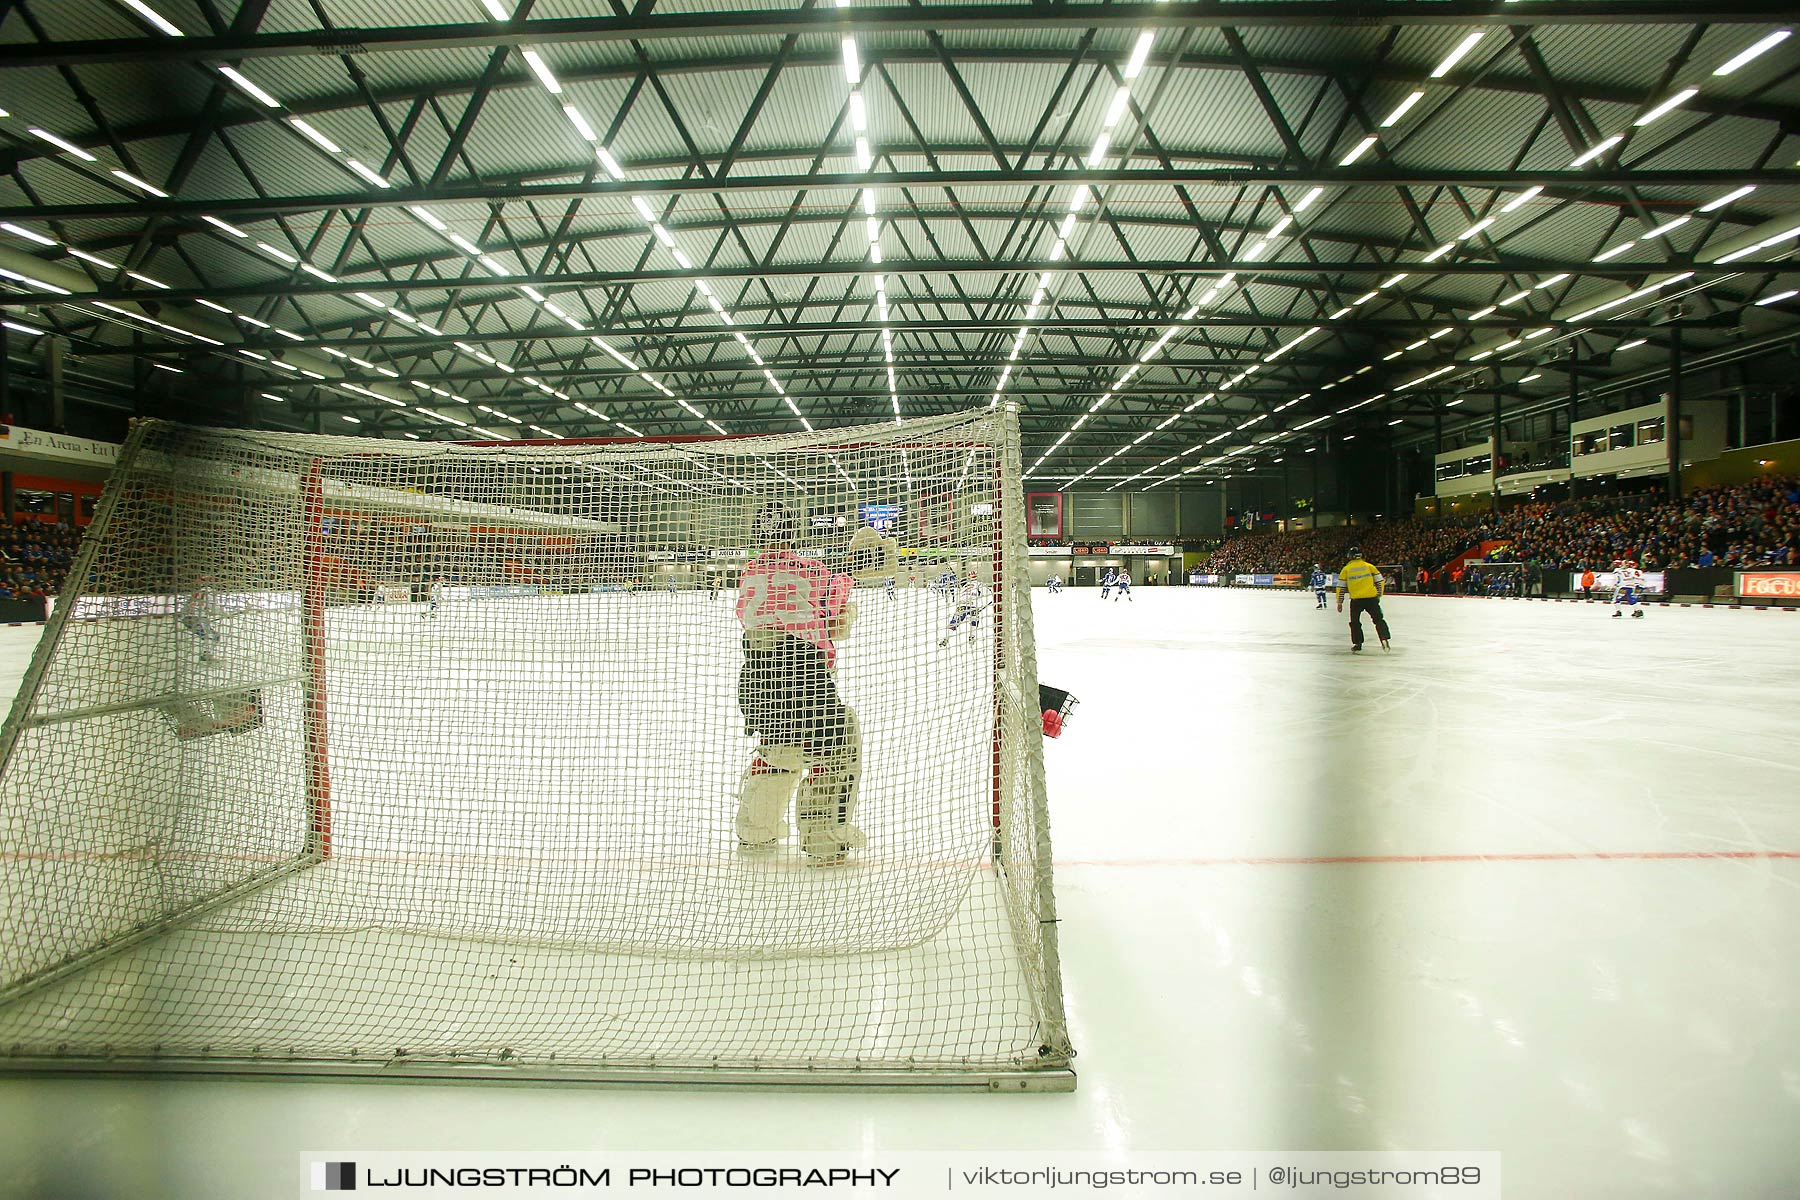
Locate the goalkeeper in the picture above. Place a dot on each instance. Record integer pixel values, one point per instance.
(794, 611)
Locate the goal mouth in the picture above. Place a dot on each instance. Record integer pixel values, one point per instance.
(344, 747)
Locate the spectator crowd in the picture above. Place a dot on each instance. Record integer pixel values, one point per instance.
(1742, 525)
(35, 558)
(1415, 540)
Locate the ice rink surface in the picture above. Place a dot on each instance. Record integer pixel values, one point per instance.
(1528, 883)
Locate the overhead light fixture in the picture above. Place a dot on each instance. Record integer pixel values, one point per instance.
(1523, 198)
(1754, 51)
(1140, 53)
(151, 15)
(1596, 150)
(541, 69)
(580, 123)
(1358, 151)
(367, 174)
(320, 140)
(140, 184)
(28, 235)
(65, 146)
(1727, 198)
(1401, 109)
(1667, 106)
(1456, 55)
(248, 88)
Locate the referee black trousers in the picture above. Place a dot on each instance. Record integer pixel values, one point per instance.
(1372, 606)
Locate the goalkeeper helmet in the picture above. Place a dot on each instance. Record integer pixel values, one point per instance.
(1356, 552)
(775, 525)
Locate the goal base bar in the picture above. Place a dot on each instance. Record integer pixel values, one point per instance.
(1048, 1079)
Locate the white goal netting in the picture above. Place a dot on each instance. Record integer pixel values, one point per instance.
(636, 760)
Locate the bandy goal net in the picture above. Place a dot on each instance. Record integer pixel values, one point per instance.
(698, 760)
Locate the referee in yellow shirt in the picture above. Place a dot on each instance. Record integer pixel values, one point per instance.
(1364, 584)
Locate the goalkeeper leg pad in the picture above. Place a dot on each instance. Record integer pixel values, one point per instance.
(828, 796)
(763, 795)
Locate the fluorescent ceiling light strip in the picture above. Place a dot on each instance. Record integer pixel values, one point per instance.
(28, 235)
(1140, 53)
(541, 69)
(65, 146)
(248, 88)
(367, 174)
(580, 122)
(324, 143)
(1457, 54)
(151, 15)
(1727, 198)
(1667, 106)
(1596, 150)
(1754, 51)
(140, 184)
(1523, 198)
(1401, 109)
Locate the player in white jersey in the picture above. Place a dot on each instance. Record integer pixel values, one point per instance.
(197, 617)
(234, 712)
(434, 596)
(1630, 583)
(1122, 587)
(971, 601)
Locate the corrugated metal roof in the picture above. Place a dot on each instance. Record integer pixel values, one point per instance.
(1325, 81)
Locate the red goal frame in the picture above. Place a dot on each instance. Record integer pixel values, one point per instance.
(315, 724)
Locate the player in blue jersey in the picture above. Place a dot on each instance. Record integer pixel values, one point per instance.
(1055, 583)
(1106, 583)
(1318, 585)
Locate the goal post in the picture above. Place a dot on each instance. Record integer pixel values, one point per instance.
(349, 756)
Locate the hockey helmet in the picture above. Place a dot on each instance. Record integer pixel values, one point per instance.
(775, 525)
